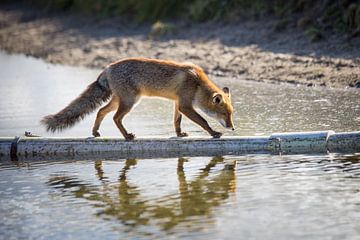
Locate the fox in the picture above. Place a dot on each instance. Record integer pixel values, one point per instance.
(127, 80)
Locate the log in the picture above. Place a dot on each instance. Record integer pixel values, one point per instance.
(277, 143)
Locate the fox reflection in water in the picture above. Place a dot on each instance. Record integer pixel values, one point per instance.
(123, 200)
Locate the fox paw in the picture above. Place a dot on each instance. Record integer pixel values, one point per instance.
(130, 136)
(216, 134)
(182, 134)
(96, 134)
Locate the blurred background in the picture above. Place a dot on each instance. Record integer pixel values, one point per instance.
(315, 43)
(342, 15)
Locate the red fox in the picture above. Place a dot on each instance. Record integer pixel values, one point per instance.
(125, 81)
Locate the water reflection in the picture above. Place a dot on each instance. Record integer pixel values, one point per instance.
(123, 200)
(292, 196)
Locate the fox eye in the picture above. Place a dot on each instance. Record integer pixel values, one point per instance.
(217, 99)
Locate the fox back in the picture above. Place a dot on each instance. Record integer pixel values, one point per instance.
(149, 77)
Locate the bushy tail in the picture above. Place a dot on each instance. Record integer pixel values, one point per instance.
(95, 94)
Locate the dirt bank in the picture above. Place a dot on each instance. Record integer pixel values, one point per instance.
(251, 50)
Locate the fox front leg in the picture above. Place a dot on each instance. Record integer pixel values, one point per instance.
(177, 122)
(190, 112)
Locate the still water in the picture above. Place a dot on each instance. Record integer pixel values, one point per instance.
(230, 197)
(218, 197)
(31, 89)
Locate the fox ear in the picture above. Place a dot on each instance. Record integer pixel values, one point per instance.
(217, 98)
(226, 90)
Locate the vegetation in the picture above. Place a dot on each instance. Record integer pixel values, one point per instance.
(341, 15)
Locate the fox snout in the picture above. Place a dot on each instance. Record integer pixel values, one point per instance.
(227, 124)
(230, 126)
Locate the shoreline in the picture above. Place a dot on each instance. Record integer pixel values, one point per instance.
(250, 50)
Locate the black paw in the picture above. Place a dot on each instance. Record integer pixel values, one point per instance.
(216, 134)
(129, 137)
(182, 134)
(96, 134)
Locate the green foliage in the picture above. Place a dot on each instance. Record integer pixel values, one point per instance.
(149, 10)
(313, 34)
(304, 22)
(343, 15)
(202, 10)
(140, 10)
(351, 17)
(55, 4)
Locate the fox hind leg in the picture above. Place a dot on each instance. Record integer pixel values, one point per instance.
(111, 106)
(125, 106)
(177, 122)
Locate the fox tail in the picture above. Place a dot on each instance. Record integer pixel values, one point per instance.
(88, 101)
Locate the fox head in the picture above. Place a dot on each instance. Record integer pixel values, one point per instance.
(219, 107)
(223, 109)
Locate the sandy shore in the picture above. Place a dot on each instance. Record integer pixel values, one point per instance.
(251, 50)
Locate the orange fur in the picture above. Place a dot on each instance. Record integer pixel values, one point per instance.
(129, 79)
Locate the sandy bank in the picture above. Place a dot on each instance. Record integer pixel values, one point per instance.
(248, 50)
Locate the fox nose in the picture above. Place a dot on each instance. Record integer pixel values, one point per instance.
(230, 127)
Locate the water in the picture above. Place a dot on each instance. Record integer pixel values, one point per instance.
(230, 197)
(31, 89)
(219, 197)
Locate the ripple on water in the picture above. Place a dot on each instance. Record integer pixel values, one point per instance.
(249, 197)
(259, 108)
(255, 196)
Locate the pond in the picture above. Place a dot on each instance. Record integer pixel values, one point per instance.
(31, 89)
(229, 197)
(209, 197)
